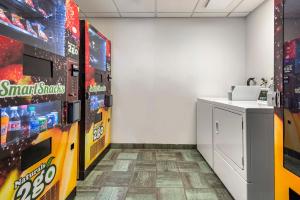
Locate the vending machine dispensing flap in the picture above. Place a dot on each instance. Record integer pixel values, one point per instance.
(35, 153)
(44, 69)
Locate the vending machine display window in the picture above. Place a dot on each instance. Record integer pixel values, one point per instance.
(97, 50)
(40, 23)
(25, 121)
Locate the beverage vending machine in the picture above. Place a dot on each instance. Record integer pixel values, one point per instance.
(96, 98)
(39, 42)
(287, 109)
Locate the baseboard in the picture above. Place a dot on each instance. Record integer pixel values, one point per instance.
(85, 173)
(152, 146)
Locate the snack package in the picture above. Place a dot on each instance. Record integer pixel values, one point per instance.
(30, 29)
(29, 3)
(3, 17)
(43, 12)
(41, 32)
(16, 20)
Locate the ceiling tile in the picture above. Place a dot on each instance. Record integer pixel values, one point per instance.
(238, 14)
(138, 14)
(210, 14)
(248, 5)
(233, 5)
(174, 14)
(102, 14)
(97, 5)
(218, 6)
(136, 5)
(203, 3)
(176, 5)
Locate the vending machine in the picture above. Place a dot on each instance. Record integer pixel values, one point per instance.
(287, 110)
(96, 98)
(39, 41)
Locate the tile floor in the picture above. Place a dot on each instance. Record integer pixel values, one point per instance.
(131, 174)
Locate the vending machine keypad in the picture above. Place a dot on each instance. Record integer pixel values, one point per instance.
(72, 81)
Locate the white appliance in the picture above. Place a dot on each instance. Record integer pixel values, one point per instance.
(245, 93)
(236, 139)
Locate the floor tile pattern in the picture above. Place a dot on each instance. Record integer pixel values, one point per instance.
(147, 174)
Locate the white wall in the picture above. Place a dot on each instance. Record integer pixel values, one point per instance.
(160, 67)
(260, 42)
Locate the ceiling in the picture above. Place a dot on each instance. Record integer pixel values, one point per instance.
(167, 8)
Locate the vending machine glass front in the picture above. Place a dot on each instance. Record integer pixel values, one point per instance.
(39, 23)
(25, 121)
(97, 49)
(291, 86)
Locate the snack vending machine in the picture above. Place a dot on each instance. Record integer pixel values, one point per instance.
(39, 99)
(287, 109)
(96, 98)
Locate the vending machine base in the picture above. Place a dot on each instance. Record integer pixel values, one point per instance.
(83, 174)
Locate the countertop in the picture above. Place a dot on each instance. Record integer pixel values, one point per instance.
(240, 106)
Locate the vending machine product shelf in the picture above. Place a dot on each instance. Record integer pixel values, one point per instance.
(95, 88)
(39, 142)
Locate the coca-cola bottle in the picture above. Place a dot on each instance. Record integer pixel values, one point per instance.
(14, 125)
(24, 115)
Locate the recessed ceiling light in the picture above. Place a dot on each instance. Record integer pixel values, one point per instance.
(203, 3)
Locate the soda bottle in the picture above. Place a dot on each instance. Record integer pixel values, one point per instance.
(24, 115)
(56, 118)
(42, 123)
(14, 125)
(34, 125)
(50, 120)
(4, 125)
